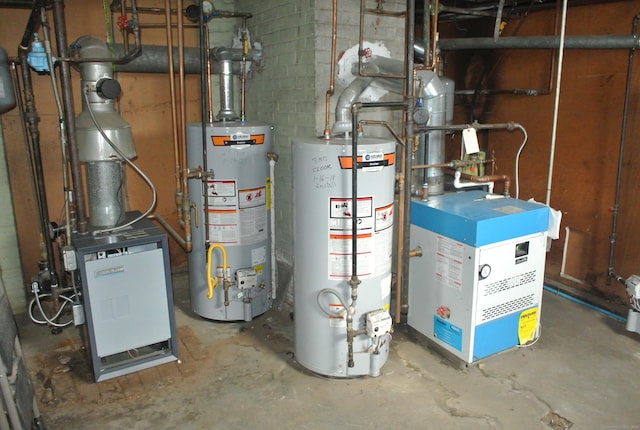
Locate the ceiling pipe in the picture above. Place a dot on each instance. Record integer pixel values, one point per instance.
(154, 59)
(17, 4)
(612, 41)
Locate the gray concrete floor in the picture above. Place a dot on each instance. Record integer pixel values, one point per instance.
(581, 374)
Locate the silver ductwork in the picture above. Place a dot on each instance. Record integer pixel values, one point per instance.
(104, 138)
(431, 149)
(373, 71)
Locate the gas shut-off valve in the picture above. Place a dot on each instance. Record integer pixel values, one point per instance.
(379, 323)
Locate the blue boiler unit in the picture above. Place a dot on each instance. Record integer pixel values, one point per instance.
(477, 288)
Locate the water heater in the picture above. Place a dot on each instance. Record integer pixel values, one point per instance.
(322, 171)
(233, 206)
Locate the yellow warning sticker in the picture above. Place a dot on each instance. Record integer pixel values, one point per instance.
(527, 325)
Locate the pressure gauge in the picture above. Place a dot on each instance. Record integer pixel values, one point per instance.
(420, 115)
(485, 271)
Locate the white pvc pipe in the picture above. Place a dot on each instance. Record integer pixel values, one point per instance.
(272, 210)
(554, 132)
(457, 183)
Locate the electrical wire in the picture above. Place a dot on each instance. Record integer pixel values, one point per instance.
(524, 142)
(49, 320)
(122, 155)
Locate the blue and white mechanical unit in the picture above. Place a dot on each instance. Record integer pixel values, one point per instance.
(477, 289)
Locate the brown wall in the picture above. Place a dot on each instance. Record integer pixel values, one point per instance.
(588, 135)
(145, 104)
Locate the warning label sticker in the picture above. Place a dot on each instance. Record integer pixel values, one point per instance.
(449, 259)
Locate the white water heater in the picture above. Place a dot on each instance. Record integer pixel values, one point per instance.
(322, 171)
(233, 208)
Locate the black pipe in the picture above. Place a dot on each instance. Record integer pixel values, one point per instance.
(32, 24)
(69, 116)
(461, 127)
(623, 132)
(409, 132)
(36, 161)
(612, 41)
(204, 109)
(17, 4)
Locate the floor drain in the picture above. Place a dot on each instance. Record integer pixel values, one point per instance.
(556, 422)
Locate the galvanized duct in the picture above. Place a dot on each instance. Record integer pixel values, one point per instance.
(153, 59)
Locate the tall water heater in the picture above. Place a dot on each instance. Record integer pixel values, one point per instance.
(322, 171)
(233, 208)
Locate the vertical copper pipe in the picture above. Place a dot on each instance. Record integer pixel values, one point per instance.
(183, 114)
(205, 28)
(172, 90)
(332, 72)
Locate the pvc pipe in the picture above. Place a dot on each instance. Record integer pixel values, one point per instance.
(459, 184)
(583, 303)
(554, 132)
(272, 210)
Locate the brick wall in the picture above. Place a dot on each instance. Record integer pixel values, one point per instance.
(289, 90)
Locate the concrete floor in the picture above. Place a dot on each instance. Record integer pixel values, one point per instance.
(581, 374)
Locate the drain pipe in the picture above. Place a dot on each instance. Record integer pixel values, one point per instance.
(623, 132)
(332, 72)
(556, 104)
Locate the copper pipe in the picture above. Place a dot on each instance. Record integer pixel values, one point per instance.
(125, 39)
(243, 71)
(172, 90)
(386, 124)
(162, 25)
(434, 42)
(417, 252)
(453, 164)
(332, 73)
(209, 91)
(182, 90)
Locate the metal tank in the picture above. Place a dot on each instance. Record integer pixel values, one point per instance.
(233, 215)
(323, 254)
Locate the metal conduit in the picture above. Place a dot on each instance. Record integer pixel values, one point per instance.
(612, 41)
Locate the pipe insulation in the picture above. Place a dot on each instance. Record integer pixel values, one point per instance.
(153, 59)
(611, 41)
